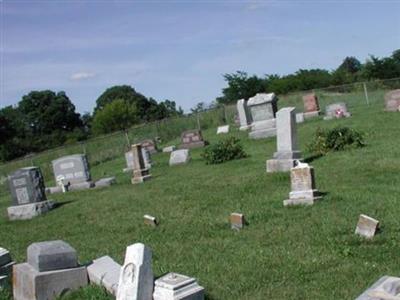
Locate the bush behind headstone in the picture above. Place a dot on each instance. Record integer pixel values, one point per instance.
(224, 150)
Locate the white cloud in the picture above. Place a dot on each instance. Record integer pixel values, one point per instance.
(82, 75)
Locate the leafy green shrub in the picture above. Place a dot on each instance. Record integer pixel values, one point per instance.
(224, 150)
(336, 139)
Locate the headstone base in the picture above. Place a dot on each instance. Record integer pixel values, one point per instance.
(105, 272)
(81, 186)
(386, 287)
(192, 145)
(346, 115)
(311, 114)
(244, 128)
(140, 176)
(262, 133)
(302, 198)
(104, 182)
(53, 190)
(30, 284)
(177, 287)
(29, 211)
(280, 165)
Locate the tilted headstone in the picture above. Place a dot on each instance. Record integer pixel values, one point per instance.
(149, 145)
(129, 157)
(169, 149)
(136, 277)
(392, 100)
(263, 108)
(311, 105)
(237, 221)
(105, 272)
(27, 186)
(178, 157)
(287, 147)
(367, 226)
(73, 169)
(61, 272)
(303, 189)
(192, 139)
(336, 111)
(173, 286)
(243, 113)
(386, 288)
(140, 172)
(223, 129)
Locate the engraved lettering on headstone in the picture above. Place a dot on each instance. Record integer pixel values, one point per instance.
(19, 182)
(67, 165)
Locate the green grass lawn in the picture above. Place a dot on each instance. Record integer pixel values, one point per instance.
(284, 253)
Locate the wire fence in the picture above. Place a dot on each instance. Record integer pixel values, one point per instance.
(109, 147)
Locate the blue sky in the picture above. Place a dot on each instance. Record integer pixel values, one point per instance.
(178, 50)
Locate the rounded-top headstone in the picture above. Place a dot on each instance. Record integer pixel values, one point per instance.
(51, 255)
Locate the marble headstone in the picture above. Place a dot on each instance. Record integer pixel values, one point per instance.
(336, 111)
(140, 172)
(192, 139)
(367, 226)
(178, 157)
(136, 277)
(303, 190)
(243, 113)
(173, 286)
(392, 100)
(129, 158)
(287, 147)
(386, 288)
(311, 105)
(73, 169)
(263, 108)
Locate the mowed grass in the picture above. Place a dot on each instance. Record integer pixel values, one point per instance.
(284, 253)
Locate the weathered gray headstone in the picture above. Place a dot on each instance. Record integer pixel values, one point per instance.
(311, 105)
(105, 272)
(136, 277)
(178, 157)
(169, 149)
(150, 145)
(237, 221)
(287, 148)
(192, 139)
(72, 169)
(129, 157)
(27, 186)
(302, 186)
(263, 108)
(367, 226)
(61, 272)
(244, 115)
(392, 100)
(386, 288)
(173, 286)
(336, 111)
(140, 172)
(223, 129)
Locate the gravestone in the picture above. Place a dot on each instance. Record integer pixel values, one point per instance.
(223, 129)
(6, 266)
(386, 288)
(173, 286)
(61, 274)
(263, 108)
(243, 113)
(311, 106)
(72, 169)
(150, 220)
(104, 271)
(136, 277)
(192, 139)
(392, 100)
(300, 118)
(287, 148)
(169, 149)
(129, 157)
(336, 111)
(149, 145)
(27, 194)
(140, 172)
(178, 157)
(303, 189)
(367, 226)
(237, 221)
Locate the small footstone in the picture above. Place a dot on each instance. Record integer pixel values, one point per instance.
(237, 221)
(223, 129)
(367, 226)
(150, 220)
(104, 271)
(169, 149)
(175, 286)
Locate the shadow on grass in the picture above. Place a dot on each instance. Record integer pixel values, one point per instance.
(311, 158)
(61, 203)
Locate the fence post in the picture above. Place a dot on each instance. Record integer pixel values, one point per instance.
(127, 139)
(366, 93)
(198, 121)
(225, 114)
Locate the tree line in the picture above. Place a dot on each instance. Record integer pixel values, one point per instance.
(47, 119)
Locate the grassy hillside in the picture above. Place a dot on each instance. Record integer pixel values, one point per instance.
(284, 253)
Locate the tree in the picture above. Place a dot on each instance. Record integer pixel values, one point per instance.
(117, 115)
(350, 65)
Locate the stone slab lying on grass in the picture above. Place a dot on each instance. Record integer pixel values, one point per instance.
(169, 149)
(223, 129)
(175, 286)
(53, 190)
(386, 288)
(150, 220)
(51, 255)
(105, 182)
(29, 284)
(367, 226)
(81, 186)
(105, 272)
(179, 157)
(29, 211)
